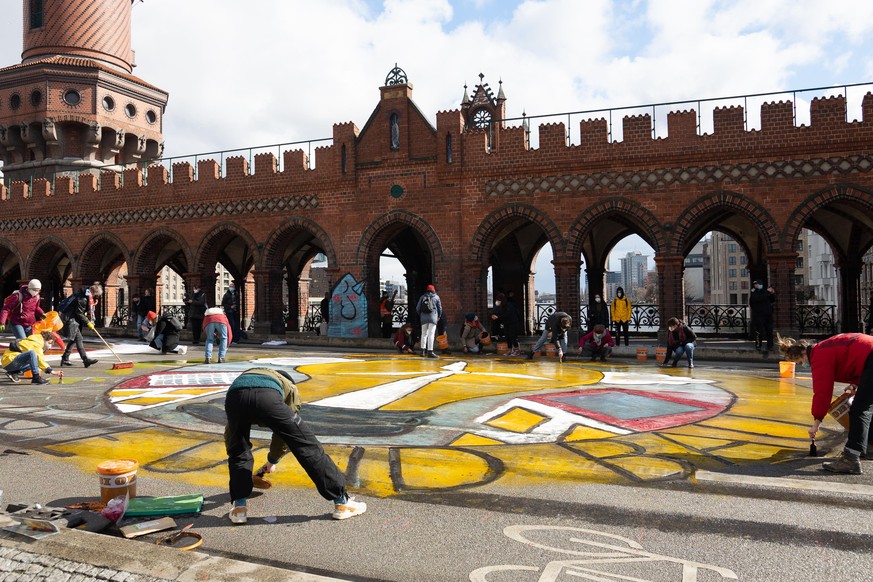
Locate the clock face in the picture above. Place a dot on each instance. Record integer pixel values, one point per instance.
(482, 118)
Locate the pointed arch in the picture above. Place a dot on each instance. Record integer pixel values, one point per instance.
(844, 197)
(92, 256)
(148, 256)
(491, 226)
(704, 214)
(214, 242)
(627, 212)
(271, 256)
(379, 230)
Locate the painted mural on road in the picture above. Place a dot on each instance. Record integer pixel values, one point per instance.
(398, 424)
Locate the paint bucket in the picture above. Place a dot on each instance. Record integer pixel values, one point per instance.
(642, 353)
(551, 350)
(117, 478)
(502, 348)
(485, 338)
(442, 341)
(840, 409)
(660, 354)
(786, 369)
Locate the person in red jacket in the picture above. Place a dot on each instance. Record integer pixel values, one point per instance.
(22, 309)
(597, 343)
(847, 357)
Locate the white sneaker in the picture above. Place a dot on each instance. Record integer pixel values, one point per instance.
(182, 350)
(350, 508)
(238, 514)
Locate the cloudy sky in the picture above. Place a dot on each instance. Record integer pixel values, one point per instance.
(243, 74)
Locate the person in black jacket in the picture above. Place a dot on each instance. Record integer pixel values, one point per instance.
(196, 312)
(230, 303)
(166, 336)
(680, 340)
(142, 305)
(761, 303)
(78, 314)
(598, 313)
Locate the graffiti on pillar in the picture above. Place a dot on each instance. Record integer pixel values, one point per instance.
(348, 309)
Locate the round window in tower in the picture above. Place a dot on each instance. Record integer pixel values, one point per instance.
(108, 103)
(130, 110)
(15, 101)
(36, 98)
(72, 97)
(151, 116)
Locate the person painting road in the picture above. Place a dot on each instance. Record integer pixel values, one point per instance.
(847, 357)
(269, 398)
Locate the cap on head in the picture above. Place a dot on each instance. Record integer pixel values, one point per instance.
(151, 315)
(34, 284)
(430, 288)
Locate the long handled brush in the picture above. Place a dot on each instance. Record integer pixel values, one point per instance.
(121, 365)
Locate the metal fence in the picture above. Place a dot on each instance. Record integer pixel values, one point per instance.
(727, 320)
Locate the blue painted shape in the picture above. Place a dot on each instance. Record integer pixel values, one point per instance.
(625, 406)
(348, 309)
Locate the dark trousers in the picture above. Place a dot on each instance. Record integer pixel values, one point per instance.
(619, 326)
(265, 407)
(763, 330)
(387, 326)
(74, 335)
(860, 413)
(196, 329)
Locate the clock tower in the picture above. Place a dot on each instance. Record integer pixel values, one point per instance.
(73, 103)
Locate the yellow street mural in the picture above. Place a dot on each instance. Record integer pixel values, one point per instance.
(398, 424)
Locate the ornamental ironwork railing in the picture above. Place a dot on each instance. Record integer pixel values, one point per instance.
(717, 318)
(816, 319)
(120, 318)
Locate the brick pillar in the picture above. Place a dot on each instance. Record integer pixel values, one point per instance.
(268, 302)
(302, 307)
(528, 305)
(567, 293)
(782, 266)
(671, 296)
(849, 270)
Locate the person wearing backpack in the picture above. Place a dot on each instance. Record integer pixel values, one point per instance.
(620, 309)
(77, 311)
(21, 309)
(429, 309)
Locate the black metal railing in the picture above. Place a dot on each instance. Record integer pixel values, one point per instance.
(717, 318)
(121, 317)
(816, 319)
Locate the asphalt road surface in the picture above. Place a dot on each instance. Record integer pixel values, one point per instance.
(541, 509)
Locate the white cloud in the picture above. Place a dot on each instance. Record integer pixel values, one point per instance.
(277, 71)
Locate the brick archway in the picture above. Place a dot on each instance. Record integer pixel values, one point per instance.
(91, 262)
(145, 262)
(214, 243)
(626, 211)
(485, 235)
(274, 247)
(705, 213)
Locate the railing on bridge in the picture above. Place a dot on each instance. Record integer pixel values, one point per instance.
(728, 320)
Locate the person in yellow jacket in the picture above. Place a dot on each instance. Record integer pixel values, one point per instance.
(620, 310)
(28, 354)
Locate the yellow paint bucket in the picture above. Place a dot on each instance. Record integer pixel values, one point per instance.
(442, 341)
(840, 409)
(786, 369)
(502, 348)
(117, 478)
(642, 353)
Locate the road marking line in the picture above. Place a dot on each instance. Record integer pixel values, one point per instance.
(785, 483)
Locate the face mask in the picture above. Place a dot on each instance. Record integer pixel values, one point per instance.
(620, 295)
(598, 337)
(497, 303)
(757, 287)
(597, 299)
(33, 293)
(231, 289)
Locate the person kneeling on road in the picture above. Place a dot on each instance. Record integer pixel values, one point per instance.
(269, 398)
(597, 343)
(166, 336)
(846, 357)
(28, 355)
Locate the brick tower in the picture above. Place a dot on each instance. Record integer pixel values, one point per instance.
(73, 103)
